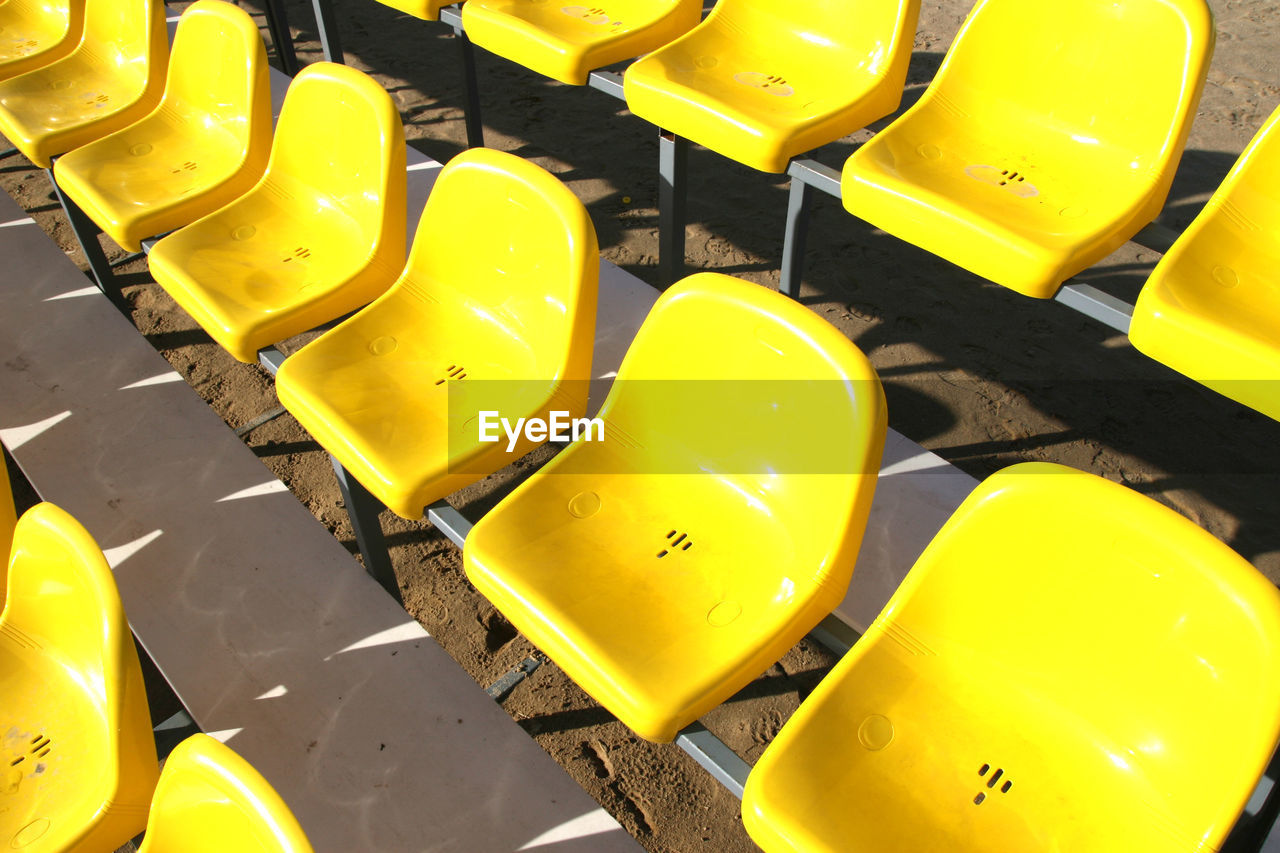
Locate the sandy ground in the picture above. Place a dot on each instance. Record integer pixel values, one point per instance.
(980, 375)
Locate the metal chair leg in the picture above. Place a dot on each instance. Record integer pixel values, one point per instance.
(363, 510)
(327, 29)
(673, 189)
(799, 206)
(87, 231)
(278, 26)
(470, 90)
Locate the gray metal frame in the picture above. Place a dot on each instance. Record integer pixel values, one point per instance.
(363, 509)
(278, 26)
(87, 231)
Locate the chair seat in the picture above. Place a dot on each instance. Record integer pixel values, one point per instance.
(1211, 308)
(386, 392)
(753, 88)
(154, 176)
(852, 777)
(53, 755)
(1048, 137)
(34, 37)
(210, 800)
(273, 264)
(667, 565)
(494, 311)
(1027, 216)
(1042, 679)
(565, 42)
(1212, 312)
(643, 587)
(69, 103)
(77, 760)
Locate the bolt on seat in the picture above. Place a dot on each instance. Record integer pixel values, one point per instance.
(77, 760)
(210, 800)
(321, 234)
(1211, 308)
(34, 34)
(1068, 666)
(566, 42)
(495, 310)
(1048, 138)
(760, 81)
(205, 145)
(113, 77)
(718, 522)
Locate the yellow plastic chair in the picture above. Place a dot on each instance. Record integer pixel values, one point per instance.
(77, 760)
(565, 42)
(210, 800)
(494, 311)
(34, 33)
(1048, 138)
(206, 144)
(321, 234)
(113, 77)
(1211, 308)
(1068, 666)
(668, 565)
(8, 518)
(761, 81)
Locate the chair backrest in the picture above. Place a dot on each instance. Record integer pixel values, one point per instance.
(62, 606)
(130, 38)
(210, 800)
(731, 380)
(340, 135)
(1120, 75)
(218, 76)
(1113, 634)
(506, 245)
(65, 17)
(872, 37)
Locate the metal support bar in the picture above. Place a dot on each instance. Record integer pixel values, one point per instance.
(363, 510)
(609, 82)
(470, 89)
(502, 688)
(449, 521)
(87, 231)
(1094, 303)
(327, 29)
(816, 175)
(799, 206)
(1156, 237)
(7, 152)
(270, 358)
(172, 732)
(129, 258)
(269, 415)
(835, 635)
(673, 189)
(281, 37)
(717, 758)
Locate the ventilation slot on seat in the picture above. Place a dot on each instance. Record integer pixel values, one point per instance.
(680, 542)
(992, 782)
(454, 371)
